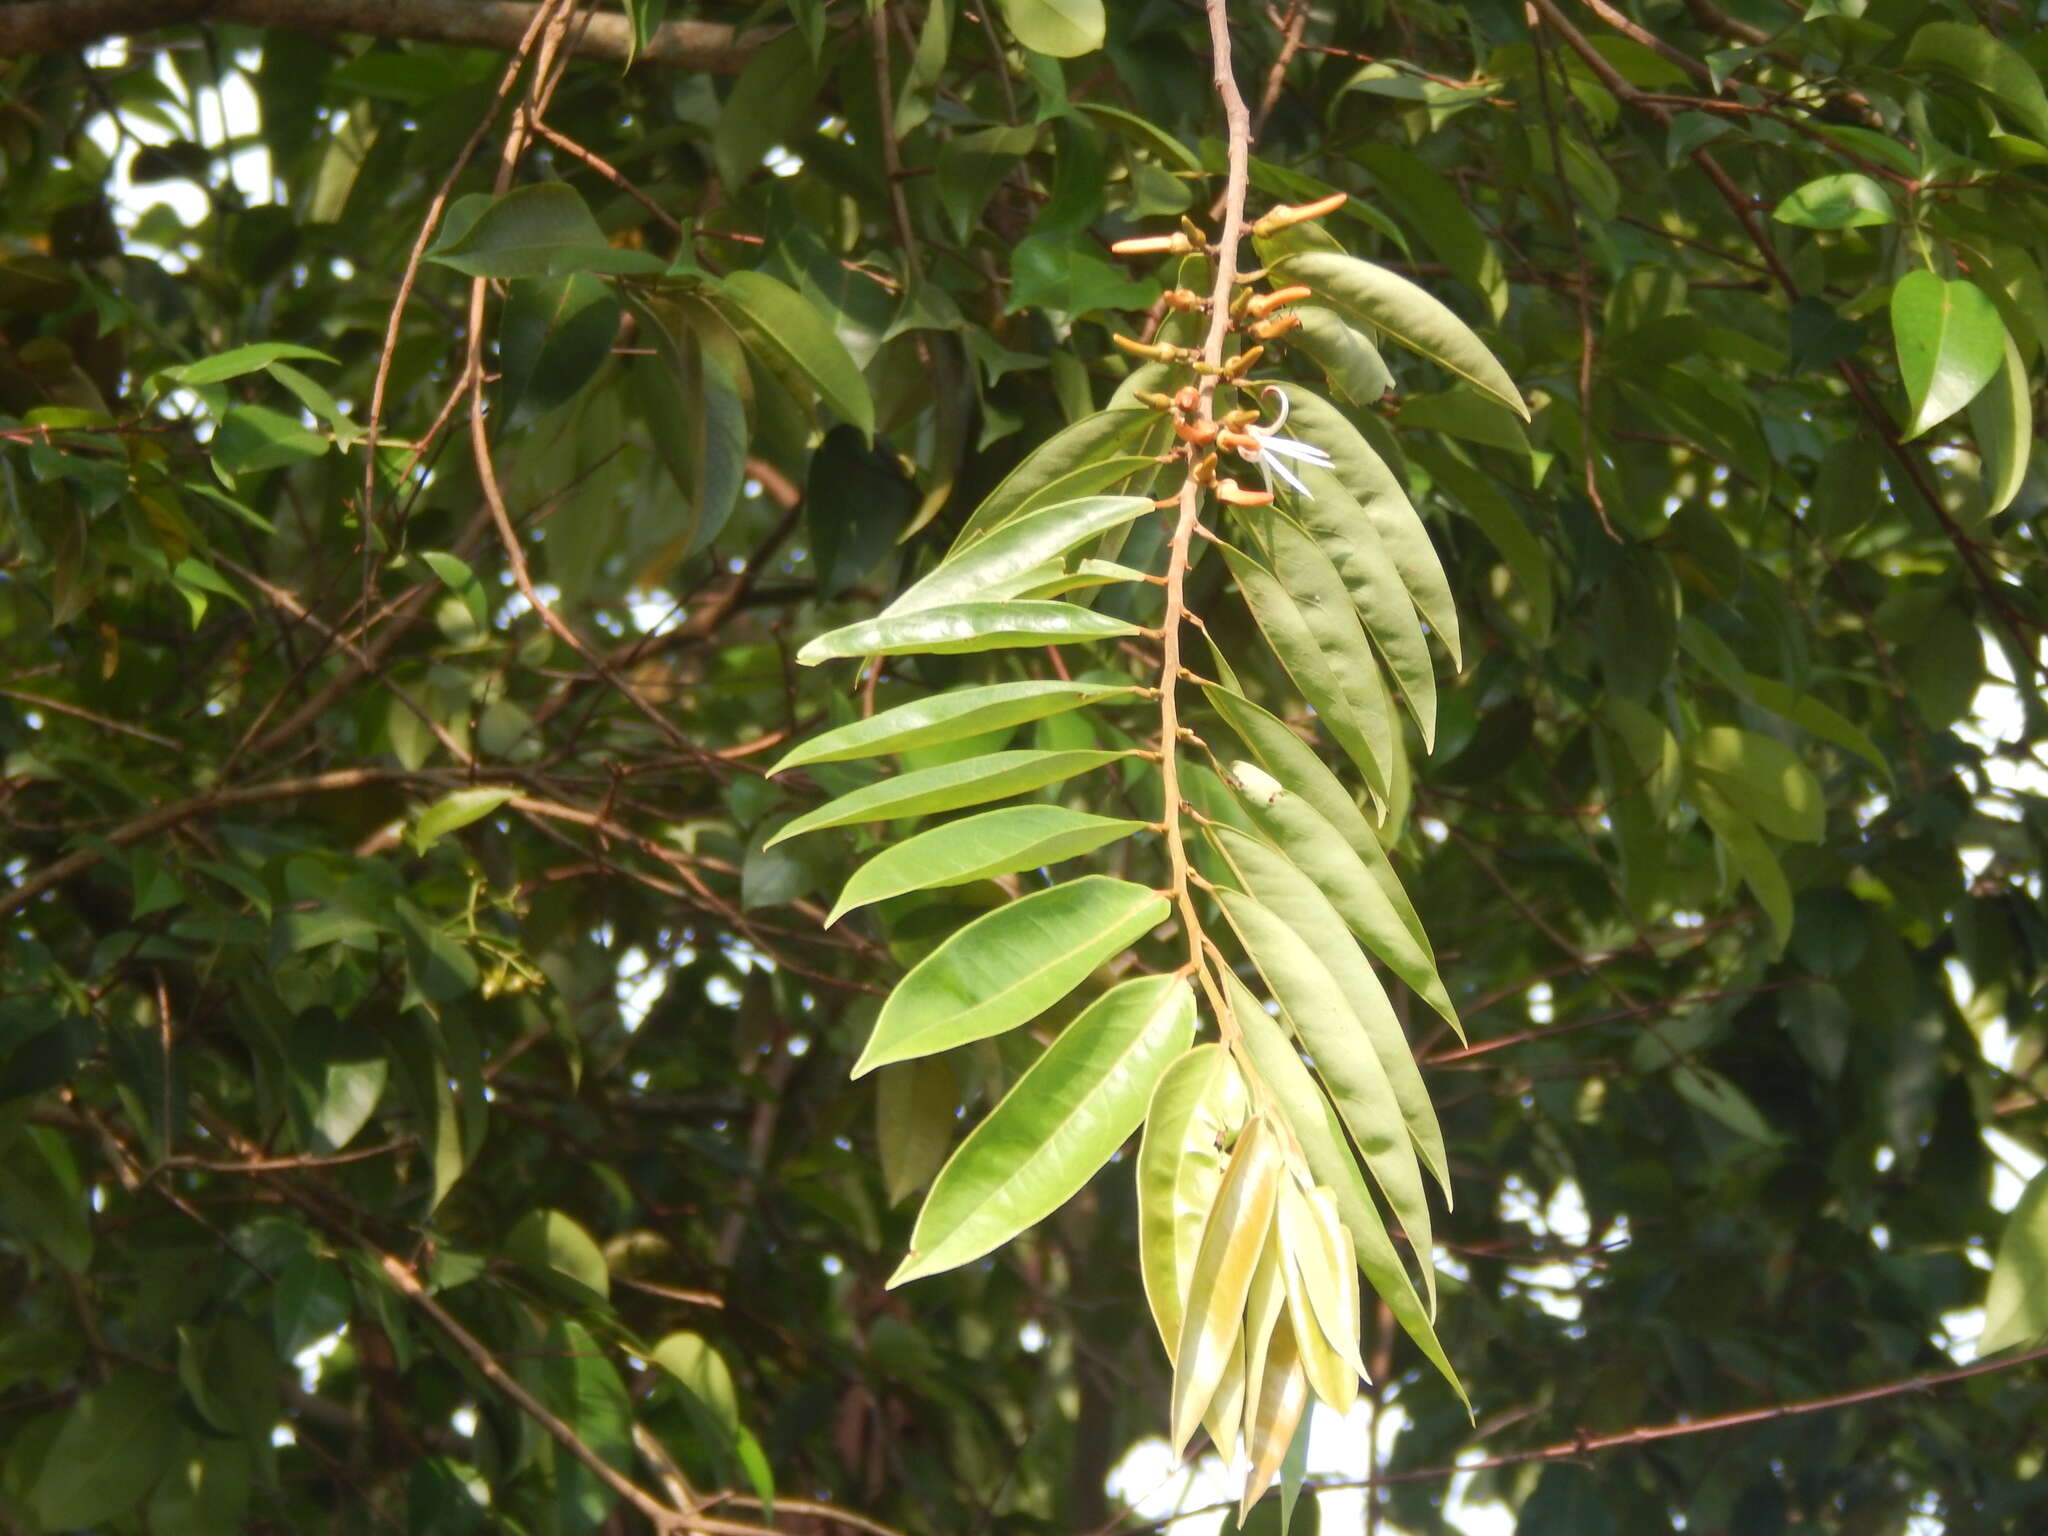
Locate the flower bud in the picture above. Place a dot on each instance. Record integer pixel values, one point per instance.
(1298, 213)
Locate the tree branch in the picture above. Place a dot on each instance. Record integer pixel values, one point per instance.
(56, 26)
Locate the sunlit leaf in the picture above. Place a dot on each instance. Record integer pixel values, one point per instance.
(1951, 344)
(1195, 1112)
(1232, 1239)
(981, 847)
(966, 627)
(953, 715)
(947, 787)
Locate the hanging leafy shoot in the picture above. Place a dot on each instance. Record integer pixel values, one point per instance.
(1265, 1184)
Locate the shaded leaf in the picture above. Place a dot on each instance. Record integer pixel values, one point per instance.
(2016, 1304)
(782, 328)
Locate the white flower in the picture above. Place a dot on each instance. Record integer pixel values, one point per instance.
(1275, 450)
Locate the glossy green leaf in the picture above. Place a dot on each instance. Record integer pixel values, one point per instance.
(1232, 1240)
(1010, 965)
(1981, 60)
(1353, 364)
(1054, 579)
(1316, 1005)
(966, 628)
(1951, 343)
(1290, 894)
(237, 362)
(784, 329)
(1363, 888)
(2016, 1303)
(1074, 1107)
(1343, 533)
(1195, 1112)
(1762, 778)
(1306, 616)
(1505, 528)
(1308, 1115)
(1363, 292)
(255, 438)
(1064, 29)
(947, 787)
(2002, 421)
(456, 810)
(1432, 205)
(1362, 473)
(1068, 454)
(999, 842)
(954, 715)
(556, 1247)
(1020, 545)
(540, 230)
(1842, 200)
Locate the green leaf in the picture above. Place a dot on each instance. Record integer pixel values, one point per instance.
(1332, 1032)
(43, 1198)
(782, 328)
(1232, 1240)
(947, 787)
(1713, 1095)
(1308, 1115)
(1010, 965)
(1364, 475)
(1762, 778)
(254, 438)
(1307, 617)
(574, 1379)
(543, 229)
(239, 361)
(457, 810)
(230, 1372)
(966, 627)
(1069, 452)
(1000, 842)
(1074, 1107)
(915, 1103)
(1845, 200)
(1288, 893)
(1018, 546)
(555, 1247)
(1354, 366)
(1063, 29)
(1978, 59)
(1951, 344)
(1195, 1112)
(1362, 292)
(1482, 500)
(1432, 206)
(1060, 270)
(1808, 713)
(952, 716)
(1753, 858)
(112, 1446)
(2002, 421)
(2016, 1303)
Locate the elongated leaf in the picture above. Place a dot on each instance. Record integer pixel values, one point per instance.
(1088, 479)
(914, 1121)
(1365, 477)
(238, 361)
(1807, 712)
(947, 787)
(1010, 965)
(1231, 1242)
(2002, 420)
(1291, 895)
(1360, 291)
(965, 627)
(1345, 534)
(1265, 1305)
(1018, 546)
(2016, 1304)
(1504, 526)
(1752, 856)
(1055, 579)
(1075, 1106)
(1276, 1414)
(1328, 1375)
(1315, 1242)
(1951, 344)
(1092, 439)
(979, 848)
(782, 328)
(1361, 886)
(1296, 625)
(1353, 364)
(1762, 778)
(540, 230)
(457, 810)
(1195, 1111)
(1315, 1004)
(944, 717)
(1308, 1115)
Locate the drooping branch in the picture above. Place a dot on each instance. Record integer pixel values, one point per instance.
(56, 26)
